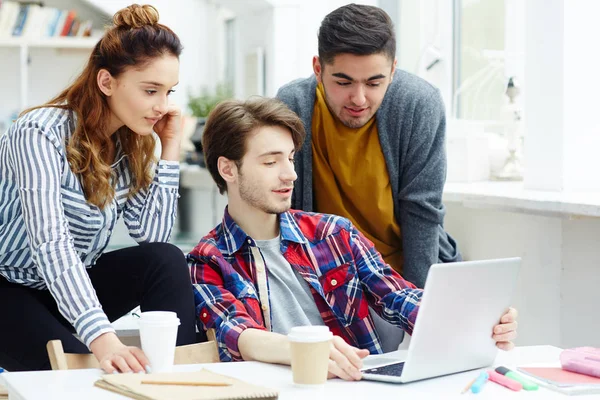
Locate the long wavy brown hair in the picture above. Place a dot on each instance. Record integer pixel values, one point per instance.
(134, 40)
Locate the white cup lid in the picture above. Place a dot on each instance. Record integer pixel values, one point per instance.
(310, 334)
(159, 318)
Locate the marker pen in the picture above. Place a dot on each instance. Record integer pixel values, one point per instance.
(479, 382)
(527, 384)
(504, 381)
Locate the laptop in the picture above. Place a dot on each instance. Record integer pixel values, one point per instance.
(461, 304)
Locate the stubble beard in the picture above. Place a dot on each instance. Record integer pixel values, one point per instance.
(253, 198)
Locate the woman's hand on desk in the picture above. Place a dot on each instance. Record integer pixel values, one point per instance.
(345, 361)
(115, 356)
(506, 330)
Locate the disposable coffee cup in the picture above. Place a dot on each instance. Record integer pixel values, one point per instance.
(158, 335)
(309, 347)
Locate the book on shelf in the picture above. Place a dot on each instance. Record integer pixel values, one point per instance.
(32, 20)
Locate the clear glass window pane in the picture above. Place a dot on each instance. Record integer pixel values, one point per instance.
(481, 81)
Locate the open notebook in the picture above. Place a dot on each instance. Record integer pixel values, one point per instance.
(131, 385)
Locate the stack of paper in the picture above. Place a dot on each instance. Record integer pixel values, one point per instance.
(198, 385)
(563, 381)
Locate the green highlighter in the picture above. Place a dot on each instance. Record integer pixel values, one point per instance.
(527, 385)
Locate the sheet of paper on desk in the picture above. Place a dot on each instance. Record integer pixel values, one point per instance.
(131, 385)
(563, 381)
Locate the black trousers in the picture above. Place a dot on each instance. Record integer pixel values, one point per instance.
(154, 276)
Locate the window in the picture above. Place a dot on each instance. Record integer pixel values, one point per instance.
(488, 43)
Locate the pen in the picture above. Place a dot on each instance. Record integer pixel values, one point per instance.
(504, 381)
(527, 384)
(468, 386)
(479, 382)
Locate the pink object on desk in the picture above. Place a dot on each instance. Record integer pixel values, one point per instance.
(582, 360)
(504, 381)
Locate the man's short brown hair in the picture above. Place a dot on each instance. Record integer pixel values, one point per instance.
(356, 29)
(231, 121)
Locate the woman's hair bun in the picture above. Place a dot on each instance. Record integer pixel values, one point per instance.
(136, 16)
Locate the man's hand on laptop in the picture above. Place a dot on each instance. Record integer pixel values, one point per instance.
(506, 330)
(345, 361)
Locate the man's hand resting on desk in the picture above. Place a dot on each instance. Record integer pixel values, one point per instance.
(506, 330)
(114, 356)
(345, 361)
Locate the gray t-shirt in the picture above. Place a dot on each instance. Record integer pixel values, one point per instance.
(292, 303)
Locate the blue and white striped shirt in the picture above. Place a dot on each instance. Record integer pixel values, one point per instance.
(49, 234)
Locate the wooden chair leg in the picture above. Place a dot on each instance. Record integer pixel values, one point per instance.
(211, 335)
(56, 354)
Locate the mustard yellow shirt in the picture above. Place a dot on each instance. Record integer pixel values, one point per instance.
(350, 178)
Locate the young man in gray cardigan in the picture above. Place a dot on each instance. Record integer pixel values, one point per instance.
(375, 150)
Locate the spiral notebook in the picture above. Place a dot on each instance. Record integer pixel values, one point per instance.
(164, 386)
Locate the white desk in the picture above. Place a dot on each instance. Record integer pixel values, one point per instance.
(78, 384)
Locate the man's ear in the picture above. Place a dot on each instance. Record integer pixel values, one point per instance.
(105, 82)
(318, 69)
(394, 64)
(227, 169)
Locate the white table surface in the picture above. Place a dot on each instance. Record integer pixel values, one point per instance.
(78, 384)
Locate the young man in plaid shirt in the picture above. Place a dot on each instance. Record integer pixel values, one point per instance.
(266, 268)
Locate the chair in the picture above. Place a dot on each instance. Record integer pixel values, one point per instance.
(211, 334)
(190, 354)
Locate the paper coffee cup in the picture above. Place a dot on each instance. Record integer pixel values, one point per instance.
(158, 335)
(309, 348)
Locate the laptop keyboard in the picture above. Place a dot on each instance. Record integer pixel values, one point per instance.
(390, 370)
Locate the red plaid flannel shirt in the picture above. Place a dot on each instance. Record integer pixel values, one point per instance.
(345, 274)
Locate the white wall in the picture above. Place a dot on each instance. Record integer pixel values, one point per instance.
(200, 30)
(557, 294)
(252, 32)
(562, 129)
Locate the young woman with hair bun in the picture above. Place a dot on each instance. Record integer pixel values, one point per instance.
(69, 169)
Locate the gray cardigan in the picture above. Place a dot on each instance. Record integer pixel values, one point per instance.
(411, 126)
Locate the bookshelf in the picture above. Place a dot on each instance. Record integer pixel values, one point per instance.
(43, 46)
(24, 45)
(86, 43)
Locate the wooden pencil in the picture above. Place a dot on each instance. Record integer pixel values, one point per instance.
(184, 383)
(468, 386)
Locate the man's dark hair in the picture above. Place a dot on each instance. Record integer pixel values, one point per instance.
(232, 121)
(356, 29)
